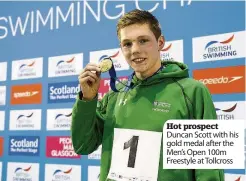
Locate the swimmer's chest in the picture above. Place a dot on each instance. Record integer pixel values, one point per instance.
(147, 111)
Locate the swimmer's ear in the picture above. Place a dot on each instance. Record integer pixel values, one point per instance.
(161, 42)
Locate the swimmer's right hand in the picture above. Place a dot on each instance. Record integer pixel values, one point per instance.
(89, 80)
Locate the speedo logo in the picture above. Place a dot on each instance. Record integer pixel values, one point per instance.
(220, 80)
(25, 94)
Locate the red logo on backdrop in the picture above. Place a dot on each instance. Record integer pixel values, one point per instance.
(238, 179)
(1, 146)
(105, 86)
(60, 147)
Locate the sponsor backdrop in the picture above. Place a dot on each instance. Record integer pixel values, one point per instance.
(44, 46)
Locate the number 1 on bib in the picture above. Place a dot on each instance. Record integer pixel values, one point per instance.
(132, 144)
(135, 155)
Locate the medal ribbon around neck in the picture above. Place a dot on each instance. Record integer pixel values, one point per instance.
(107, 65)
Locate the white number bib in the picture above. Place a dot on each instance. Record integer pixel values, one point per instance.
(135, 155)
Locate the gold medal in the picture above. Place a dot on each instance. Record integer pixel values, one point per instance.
(105, 65)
